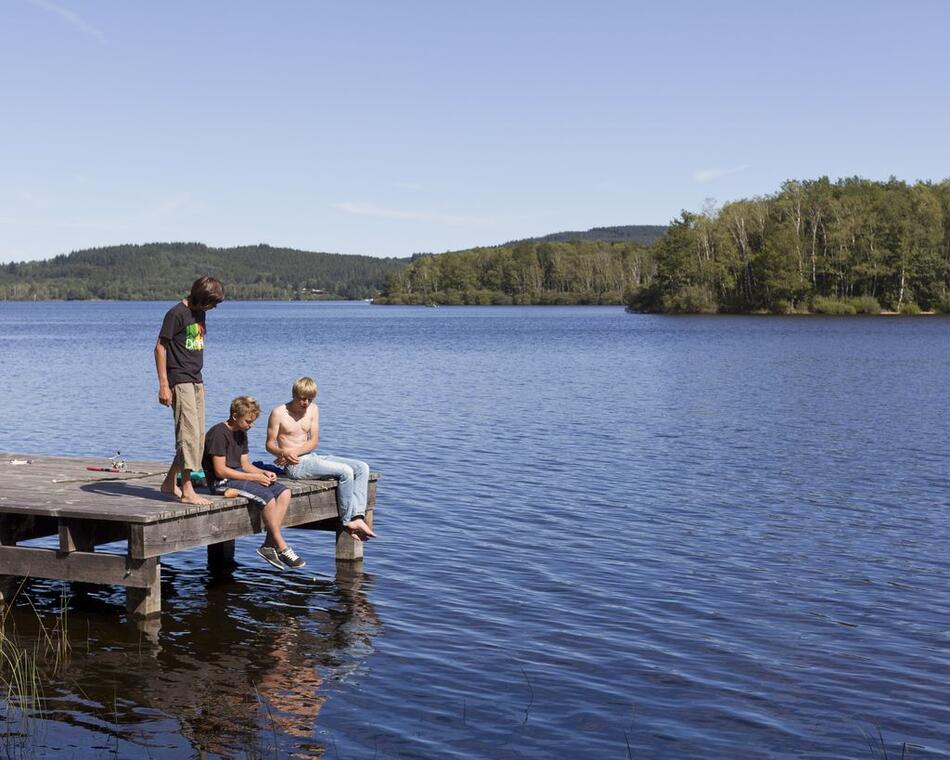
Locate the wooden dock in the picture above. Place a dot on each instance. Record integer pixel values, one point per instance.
(43, 496)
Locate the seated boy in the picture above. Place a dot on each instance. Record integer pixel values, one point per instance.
(226, 466)
(293, 431)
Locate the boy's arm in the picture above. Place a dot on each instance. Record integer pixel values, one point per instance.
(161, 368)
(273, 436)
(264, 477)
(223, 472)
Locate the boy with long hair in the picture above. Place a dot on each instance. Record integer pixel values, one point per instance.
(179, 358)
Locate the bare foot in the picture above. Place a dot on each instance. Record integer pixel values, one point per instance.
(190, 496)
(359, 530)
(193, 498)
(171, 489)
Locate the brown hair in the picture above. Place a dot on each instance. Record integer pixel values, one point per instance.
(205, 292)
(245, 406)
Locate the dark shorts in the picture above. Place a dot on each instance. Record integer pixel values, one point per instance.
(250, 490)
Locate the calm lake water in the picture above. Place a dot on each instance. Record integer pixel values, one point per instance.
(601, 535)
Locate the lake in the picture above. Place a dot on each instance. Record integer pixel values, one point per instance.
(601, 535)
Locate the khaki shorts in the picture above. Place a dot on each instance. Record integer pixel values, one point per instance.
(188, 405)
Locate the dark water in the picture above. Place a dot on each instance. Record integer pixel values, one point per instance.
(601, 536)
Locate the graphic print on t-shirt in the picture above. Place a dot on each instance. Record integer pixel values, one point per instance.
(195, 337)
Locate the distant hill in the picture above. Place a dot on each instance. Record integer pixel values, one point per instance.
(166, 270)
(158, 271)
(636, 233)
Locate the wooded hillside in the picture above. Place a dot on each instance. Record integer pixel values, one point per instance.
(165, 270)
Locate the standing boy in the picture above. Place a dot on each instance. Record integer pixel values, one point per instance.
(227, 466)
(293, 432)
(179, 358)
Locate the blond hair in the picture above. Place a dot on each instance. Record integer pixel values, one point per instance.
(305, 387)
(245, 406)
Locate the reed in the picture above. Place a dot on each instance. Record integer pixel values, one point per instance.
(26, 663)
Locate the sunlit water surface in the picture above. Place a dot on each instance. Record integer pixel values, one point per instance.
(601, 535)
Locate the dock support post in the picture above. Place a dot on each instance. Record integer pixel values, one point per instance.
(221, 558)
(348, 549)
(145, 602)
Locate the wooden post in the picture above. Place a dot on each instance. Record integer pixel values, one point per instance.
(147, 601)
(221, 558)
(348, 549)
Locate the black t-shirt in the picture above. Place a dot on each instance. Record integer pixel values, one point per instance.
(221, 442)
(184, 334)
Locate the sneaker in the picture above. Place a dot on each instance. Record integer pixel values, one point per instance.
(269, 554)
(289, 557)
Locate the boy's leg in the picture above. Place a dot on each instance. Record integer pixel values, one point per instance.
(170, 484)
(273, 517)
(189, 405)
(353, 477)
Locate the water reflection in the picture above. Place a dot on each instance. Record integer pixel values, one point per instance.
(239, 663)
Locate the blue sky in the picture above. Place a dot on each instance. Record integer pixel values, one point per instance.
(388, 128)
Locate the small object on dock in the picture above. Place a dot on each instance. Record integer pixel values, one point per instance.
(20, 461)
(103, 469)
(231, 493)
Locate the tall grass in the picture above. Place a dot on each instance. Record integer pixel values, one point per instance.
(26, 663)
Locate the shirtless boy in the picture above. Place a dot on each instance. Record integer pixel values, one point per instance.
(293, 431)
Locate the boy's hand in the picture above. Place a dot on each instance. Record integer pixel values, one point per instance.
(265, 478)
(291, 459)
(165, 395)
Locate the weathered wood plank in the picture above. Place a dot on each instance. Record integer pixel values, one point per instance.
(89, 567)
(29, 489)
(156, 539)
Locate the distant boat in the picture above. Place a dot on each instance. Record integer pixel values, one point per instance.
(432, 305)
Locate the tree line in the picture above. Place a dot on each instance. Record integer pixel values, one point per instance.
(525, 272)
(160, 271)
(850, 246)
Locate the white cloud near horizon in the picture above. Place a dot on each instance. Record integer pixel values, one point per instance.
(71, 17)
(369, 209)
(708, 175)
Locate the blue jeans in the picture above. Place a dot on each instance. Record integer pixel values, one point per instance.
(353, 475)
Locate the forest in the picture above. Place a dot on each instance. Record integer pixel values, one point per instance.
(846, 247)
(527, 272)
(164, 270)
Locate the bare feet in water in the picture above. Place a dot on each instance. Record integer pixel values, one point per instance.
(359, 529)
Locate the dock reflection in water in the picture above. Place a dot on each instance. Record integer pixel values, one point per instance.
(239, 663)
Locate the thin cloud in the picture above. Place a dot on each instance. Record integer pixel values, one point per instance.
(369, 209)
(71, 17)
(708, 175)
(173, 203)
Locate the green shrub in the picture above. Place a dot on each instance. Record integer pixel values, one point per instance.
(647, 300)
(865, 305)
(781, 306)
(833, 307)
(909, 308)
(691, 299)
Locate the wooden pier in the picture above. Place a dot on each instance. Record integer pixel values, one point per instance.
(58, 497)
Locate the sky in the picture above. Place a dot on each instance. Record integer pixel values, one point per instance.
(391, 128)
